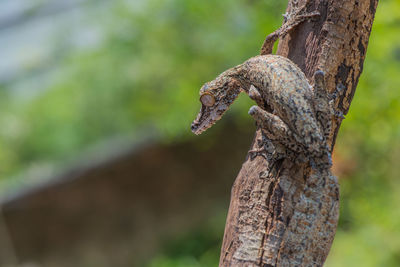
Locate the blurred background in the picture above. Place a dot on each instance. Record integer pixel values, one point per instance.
(98, 166)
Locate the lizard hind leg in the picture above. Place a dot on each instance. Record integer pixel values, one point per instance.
(322, 104)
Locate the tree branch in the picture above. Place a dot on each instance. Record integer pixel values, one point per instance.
(284, 214)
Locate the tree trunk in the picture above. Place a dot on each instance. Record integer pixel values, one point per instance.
(285, 214)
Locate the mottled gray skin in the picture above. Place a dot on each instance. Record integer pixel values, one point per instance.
(283, 87)
(287, 108)
(225, 90)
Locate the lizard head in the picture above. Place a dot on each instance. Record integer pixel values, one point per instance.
(215, 97)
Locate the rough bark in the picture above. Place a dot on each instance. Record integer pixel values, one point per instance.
(286, 214)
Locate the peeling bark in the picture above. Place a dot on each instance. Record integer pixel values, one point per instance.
(286, 214)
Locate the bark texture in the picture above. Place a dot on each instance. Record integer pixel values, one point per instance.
(285, 214)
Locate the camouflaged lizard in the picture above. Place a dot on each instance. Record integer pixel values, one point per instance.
(289, 111)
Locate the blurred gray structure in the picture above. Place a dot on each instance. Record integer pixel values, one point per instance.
(36, 34)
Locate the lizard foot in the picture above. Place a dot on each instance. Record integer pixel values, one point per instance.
(255, 95)
(321, 162)
(338, 91)
(339, 115)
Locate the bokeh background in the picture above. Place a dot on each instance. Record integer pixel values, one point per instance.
(86, 85)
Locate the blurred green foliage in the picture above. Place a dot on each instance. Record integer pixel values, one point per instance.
(369, 142)
(145, 75)
(144, 79)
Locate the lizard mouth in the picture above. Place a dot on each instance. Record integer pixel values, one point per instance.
(207, 117)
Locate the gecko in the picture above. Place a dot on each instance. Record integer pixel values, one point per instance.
(289, 110)
(286, 106)
(294, 116)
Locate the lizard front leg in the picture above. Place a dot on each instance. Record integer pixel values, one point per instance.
(255, 95)
(275, 129)
(294, 18)
(278, 131)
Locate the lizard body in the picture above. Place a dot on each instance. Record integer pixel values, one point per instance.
(290, 112)
(287, 106)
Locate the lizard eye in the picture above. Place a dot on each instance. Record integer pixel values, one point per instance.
(207, 99)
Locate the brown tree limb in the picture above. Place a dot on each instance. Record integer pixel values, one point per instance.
(285, 214)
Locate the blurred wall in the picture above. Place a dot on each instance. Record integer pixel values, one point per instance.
(115, 213)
